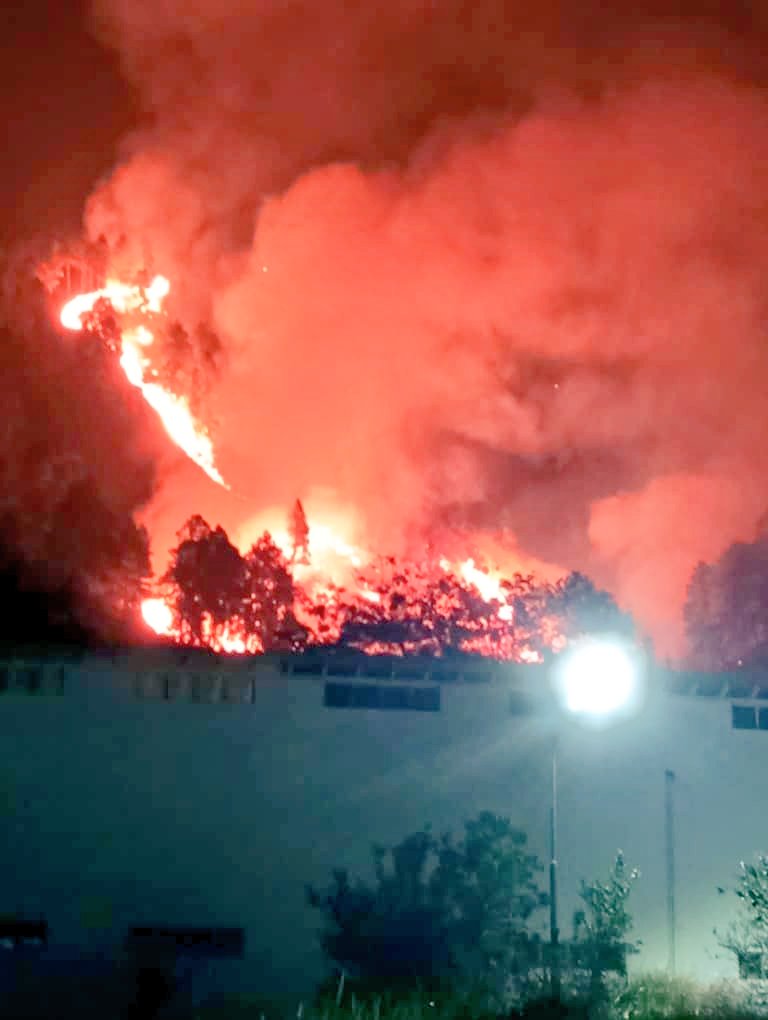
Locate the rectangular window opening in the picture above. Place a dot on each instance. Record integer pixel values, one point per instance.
(743, 717)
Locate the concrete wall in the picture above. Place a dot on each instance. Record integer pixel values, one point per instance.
(123, 808)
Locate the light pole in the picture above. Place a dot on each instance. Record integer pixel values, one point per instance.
(669, 786)
(597, 680)
(554, 927)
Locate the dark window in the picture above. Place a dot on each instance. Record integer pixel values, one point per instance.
(30, 678)
(4, 673)
(417, 699)
(23, 934)
(762, 718)
(743, 717)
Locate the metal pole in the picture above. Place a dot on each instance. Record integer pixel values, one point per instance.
(669, 783)
(554, 930)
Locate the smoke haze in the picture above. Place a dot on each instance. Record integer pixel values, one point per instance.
(474, 269)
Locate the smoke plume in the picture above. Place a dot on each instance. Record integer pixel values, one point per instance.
(475, 269)
(77, 463)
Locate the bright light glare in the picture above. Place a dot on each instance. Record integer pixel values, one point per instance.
(599, 679)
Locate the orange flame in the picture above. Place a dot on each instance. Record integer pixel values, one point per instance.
(158, 616)
(173, 410)
(334, 559)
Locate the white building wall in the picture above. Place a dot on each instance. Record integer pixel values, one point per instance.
(123, 810)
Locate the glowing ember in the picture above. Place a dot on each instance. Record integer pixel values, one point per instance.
(173, 410)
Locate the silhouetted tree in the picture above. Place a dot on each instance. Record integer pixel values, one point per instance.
(298, 531)
(409, 608)
(602, 926)
(209, 578)
(581, 608)
(747, 937)
(216, 591)
(269, 598)
(439, 910)
(726, 609)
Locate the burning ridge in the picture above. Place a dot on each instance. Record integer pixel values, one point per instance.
(274, 598)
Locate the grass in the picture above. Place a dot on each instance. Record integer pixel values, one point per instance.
(646, 997)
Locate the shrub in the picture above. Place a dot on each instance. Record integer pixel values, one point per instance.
(440, 913)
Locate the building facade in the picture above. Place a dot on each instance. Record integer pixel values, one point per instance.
(163, 788)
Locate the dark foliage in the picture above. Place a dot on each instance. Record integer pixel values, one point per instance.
(602, 927)
(76, 462)
(36, 614)
(726, 609)
(439, 910)
(394, 607)
(213, 587)
(585, 609)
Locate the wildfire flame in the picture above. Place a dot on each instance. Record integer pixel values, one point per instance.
(158, 616)
(172, 409)
(335, 559)
(331, 563)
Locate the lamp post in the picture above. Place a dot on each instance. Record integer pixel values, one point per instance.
(597, 680)
(669, 785)
(554, 927)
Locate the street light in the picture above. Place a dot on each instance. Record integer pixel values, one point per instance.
(597, 679)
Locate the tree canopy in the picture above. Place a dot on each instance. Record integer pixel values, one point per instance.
(726, 609)
(438, 908)
(391, 606)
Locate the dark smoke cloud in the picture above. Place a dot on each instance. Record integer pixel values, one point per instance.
(77, 460)
(474, 267)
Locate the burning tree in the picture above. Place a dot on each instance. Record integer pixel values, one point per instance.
(274, 595)
(298, 531)
(270, 598)
(427, 609)
(208, 575)
(228, 601)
